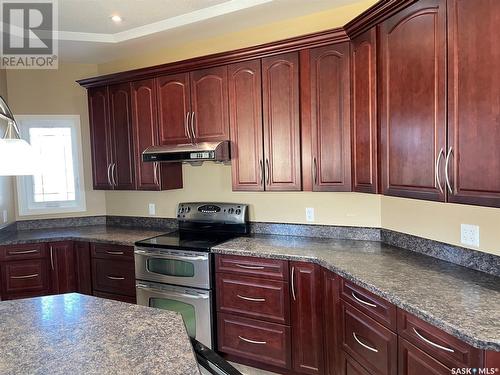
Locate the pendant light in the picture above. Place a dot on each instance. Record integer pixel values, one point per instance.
(17, 157)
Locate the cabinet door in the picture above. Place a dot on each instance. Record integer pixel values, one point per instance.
(474, 102)
(307, 318)
(413, 108)
(330, 118)
(83, 268)
(62, 263)
(100, 137)
(173, 108)
(122, 170)
(413, 361)
(25, 278)
(209, 103)
(331, 329)
(364, 112)
(280, 90)
(245, 118)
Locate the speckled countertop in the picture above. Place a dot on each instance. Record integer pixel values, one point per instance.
(97, 233)
(77, 334)
(462, 302)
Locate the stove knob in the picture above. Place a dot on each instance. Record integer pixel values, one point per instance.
(188, 209)
(182, 210)
(230, 211)
(238, 211)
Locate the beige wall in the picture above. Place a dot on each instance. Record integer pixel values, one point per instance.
(6, 183)
(55, 92)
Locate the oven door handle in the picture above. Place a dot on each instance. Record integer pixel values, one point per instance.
(173, 256)
(171, 293)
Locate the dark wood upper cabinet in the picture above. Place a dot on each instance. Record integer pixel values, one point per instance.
(364, 112)
(209, 104)
(280, 90)
(245, 118)
(149, 176)
(307, 318)
(413, 101)
(100, 137)
(63, 270)
(330, 118)
(174, 108)
(122, 169)
(474, 102)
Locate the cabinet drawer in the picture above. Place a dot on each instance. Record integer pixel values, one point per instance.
(255, 298)
(257, 267)
(113, 276)
(350, 367)
(413, 361)
(444, 347)
(22, 252)
(25, 276)
(372, 305)
(264, 342)
(373, 345)
(110, 251)
(115, 297)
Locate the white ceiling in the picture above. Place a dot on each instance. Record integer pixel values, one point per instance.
(87, 34)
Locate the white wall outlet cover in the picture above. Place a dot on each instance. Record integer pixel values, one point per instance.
(152, 209)
(469, 235)
(309, 214)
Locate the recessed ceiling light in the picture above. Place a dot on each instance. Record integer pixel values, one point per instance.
(116, 18)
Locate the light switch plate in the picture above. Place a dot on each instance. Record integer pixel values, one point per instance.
(152, 209)
(469, 235)
(310, 214)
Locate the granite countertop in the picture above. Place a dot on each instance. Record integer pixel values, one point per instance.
(77, 334)
(461, 301)
(96, 233)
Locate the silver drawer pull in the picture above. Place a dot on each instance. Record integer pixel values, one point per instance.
(432, 343)
(25, 276)
(252, 341)
(251, 299)
(115, 277)
(250, 267)
(364, 345)
(114, 252)
(22, 252)
(361, 301)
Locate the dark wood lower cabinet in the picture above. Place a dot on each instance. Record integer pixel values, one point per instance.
(413, 361)
(116, 277)
(350, 367)
(116, 297)
(331, 321)
(83, 268)
(62, 266)
(25, 278)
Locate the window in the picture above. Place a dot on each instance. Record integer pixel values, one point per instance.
(58, 187)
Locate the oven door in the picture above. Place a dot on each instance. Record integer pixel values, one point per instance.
(176, 267)
(194, 306)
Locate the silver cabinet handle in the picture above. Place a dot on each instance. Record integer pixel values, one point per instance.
(22, 252)
(186, 128)
(293, 284)
(52, 258)
(267, 174)
(446, 172)
(115, 277)
(114, 252)
(109, 177)
(362, 301)
(155, 173)
(252, 341)
(438, 179)
(432, 343)
(364, 345)
(25, 276)
(192, 127)
(249, 267)
(113, 168)
(251, 299)
(261, 164)
(315, 171)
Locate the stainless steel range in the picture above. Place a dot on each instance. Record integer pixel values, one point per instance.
(174, 271)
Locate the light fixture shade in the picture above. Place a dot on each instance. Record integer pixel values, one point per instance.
(17, 158)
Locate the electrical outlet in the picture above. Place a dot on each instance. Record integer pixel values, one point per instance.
(5, 217)
(469, 235)
(152, 209)
(310, 214)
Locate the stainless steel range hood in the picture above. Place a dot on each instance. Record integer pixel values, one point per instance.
(192, 153)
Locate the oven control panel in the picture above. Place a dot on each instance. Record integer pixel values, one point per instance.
(234, 213)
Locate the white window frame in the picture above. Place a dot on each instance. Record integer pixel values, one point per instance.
(25, 198)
